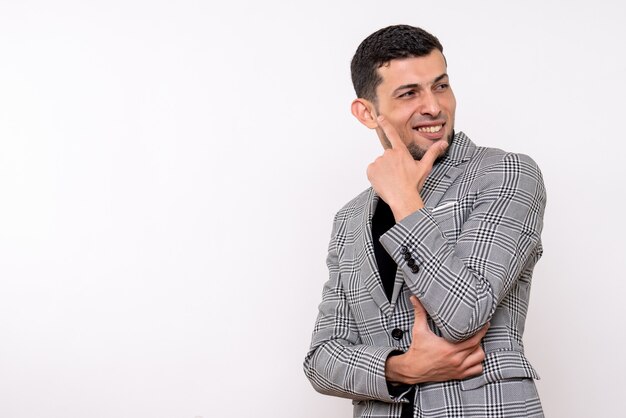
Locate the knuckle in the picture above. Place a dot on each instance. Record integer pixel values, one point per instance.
(456, 361)
(473, 371)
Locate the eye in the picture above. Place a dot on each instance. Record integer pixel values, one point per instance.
(409, 93)
(442, 86)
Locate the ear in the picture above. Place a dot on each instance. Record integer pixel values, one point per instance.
(364, 111)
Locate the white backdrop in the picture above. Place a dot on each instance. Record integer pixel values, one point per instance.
(169, 172)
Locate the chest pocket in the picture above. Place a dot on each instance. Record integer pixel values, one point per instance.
(449, 217)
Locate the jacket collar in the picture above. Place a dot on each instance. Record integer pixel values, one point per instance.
(447, 169)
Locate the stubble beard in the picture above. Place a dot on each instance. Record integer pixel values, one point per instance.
(418, 152)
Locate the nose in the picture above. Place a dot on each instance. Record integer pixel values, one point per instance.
(430, 104)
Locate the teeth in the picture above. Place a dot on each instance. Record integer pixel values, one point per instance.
(430, 129)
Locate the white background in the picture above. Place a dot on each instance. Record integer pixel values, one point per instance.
(169, 172)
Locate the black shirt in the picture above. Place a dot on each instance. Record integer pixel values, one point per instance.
(382, 221)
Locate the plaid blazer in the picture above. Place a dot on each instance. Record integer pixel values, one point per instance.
(468, 255)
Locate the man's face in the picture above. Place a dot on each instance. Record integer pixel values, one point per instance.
(416, 98)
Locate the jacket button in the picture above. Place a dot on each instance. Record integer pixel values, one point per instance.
(403, 249)
(411, 262)
(397, 334)
(415, 269)
(407, 256)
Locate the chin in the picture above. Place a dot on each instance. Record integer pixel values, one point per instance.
(418, 152)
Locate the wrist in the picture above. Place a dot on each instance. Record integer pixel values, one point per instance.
(403, 209)
(393, 368)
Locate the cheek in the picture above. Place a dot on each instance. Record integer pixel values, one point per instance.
(399, 119)
(451, 104)
(400, 116)
(403, 116)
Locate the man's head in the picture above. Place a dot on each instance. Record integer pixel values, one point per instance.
(401, 73)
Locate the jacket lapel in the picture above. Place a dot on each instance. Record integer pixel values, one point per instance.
(447, 170)
(364, 253)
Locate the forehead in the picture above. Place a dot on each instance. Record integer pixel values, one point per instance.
(414, 70)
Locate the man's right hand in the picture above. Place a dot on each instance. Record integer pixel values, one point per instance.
(431, 358)
(396, 177)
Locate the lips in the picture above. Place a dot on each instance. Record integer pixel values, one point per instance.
(432, 130)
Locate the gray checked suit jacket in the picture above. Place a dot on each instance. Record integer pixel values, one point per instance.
(468, 255)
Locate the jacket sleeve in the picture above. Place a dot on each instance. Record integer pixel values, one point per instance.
(337, 363)
(460, 283)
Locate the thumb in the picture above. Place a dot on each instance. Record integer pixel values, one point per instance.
(426, 163)
(420, 315)
(435, 151)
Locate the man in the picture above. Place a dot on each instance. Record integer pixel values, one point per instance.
(430, 268)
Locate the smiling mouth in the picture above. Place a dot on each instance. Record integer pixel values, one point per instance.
(429, 129)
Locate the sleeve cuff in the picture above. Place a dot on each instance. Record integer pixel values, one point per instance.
(398, 390)
(412, 243)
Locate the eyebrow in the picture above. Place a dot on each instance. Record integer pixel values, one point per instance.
(416, 85)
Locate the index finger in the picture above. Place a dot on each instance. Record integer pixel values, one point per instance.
(474, 340)
(390, 133)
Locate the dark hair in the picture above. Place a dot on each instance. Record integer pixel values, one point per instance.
(382, 46)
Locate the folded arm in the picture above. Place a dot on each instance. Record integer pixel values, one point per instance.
(339, 364)
(460, 283)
